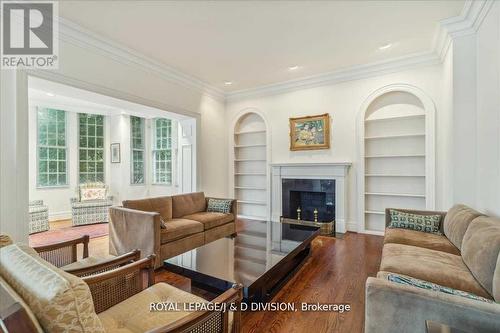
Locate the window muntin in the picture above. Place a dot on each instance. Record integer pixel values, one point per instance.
(137, 149)
(162, 151)
(51, 148)
(91, 148)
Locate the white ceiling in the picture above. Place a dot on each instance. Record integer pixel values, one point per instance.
(252, 43)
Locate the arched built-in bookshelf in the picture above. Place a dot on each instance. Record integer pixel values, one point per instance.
(250, 168)
(396, 154)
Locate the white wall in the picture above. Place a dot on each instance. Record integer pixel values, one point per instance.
(471, 74)
(488, 113)
(343, 102)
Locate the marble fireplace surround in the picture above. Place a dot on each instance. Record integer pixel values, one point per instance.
(336, 171)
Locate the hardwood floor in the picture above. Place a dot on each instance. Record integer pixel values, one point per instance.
(335, 272)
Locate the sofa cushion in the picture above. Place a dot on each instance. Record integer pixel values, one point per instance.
(443, 268)
(480, 249)
(87, 262)
(179, 228)
(456, 222)
(134, 315)
(162, 205)
(211, 219)
(186, 204)
(420, 239)
(60, 301)
(410, 281)
(423, 223)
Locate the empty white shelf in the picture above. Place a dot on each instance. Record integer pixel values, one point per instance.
(250, 146)
(397, 194)
(394, 156)
(397, 118)
(250, 132)
(391, 175)
(250, 188)
(382, 137)
(249, 174)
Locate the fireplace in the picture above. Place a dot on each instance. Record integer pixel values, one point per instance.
(309, 195)
(329, 179)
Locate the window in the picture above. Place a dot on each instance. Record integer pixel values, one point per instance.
(162, 151)
(51, 148)
(137, 149)
(91, 152)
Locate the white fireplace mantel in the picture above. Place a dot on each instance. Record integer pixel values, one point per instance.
(335, 171)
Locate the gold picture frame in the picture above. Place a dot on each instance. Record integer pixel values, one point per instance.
(310, 132)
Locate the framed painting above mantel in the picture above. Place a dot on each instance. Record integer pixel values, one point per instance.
(310, 132)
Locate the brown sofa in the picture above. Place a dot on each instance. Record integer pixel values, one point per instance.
(137, 225)
(466, 257)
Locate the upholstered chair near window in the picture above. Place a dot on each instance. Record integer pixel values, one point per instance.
(39, 216)
(91, 204)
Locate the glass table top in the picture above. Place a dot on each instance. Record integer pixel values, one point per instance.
(258, 247)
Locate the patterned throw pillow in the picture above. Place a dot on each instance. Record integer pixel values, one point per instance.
(409, 281)
(219, 205)
(89, 194)
(424, 223)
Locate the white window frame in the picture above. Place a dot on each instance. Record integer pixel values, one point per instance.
(156, 149)
(135, 149)
(94, 149)
(47, 146)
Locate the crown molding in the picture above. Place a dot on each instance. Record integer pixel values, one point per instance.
(467, 23)
(75, 34)
(342, 75)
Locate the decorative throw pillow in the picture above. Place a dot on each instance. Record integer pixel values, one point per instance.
(424, 223)
(409, 281)
(163, 224)
(89, 194)
(219, 205)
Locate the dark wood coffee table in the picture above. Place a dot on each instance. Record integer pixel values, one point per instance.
(262, 257)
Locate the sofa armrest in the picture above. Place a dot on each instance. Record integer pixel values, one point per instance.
(234, 205)
(131, 229)
(413, 211)
(395, 308)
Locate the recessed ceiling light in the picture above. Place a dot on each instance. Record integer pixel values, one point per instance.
(385, 46)
(228, 83)
(292, 68)
(50, 94)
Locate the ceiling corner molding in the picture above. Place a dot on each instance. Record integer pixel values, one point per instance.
(342, 75)
(467, 23)
(75, 34)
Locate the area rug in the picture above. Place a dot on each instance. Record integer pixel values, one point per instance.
(67, 233)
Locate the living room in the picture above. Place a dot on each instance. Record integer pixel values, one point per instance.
(267, 156)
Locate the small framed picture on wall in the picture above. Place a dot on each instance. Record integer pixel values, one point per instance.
(115, 153)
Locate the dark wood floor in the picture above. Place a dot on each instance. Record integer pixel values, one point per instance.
(335, 272)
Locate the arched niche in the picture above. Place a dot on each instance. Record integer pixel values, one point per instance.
(249, 165)
(396, 162)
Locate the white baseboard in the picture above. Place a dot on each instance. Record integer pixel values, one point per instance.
(373, 232)
(257, 218)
